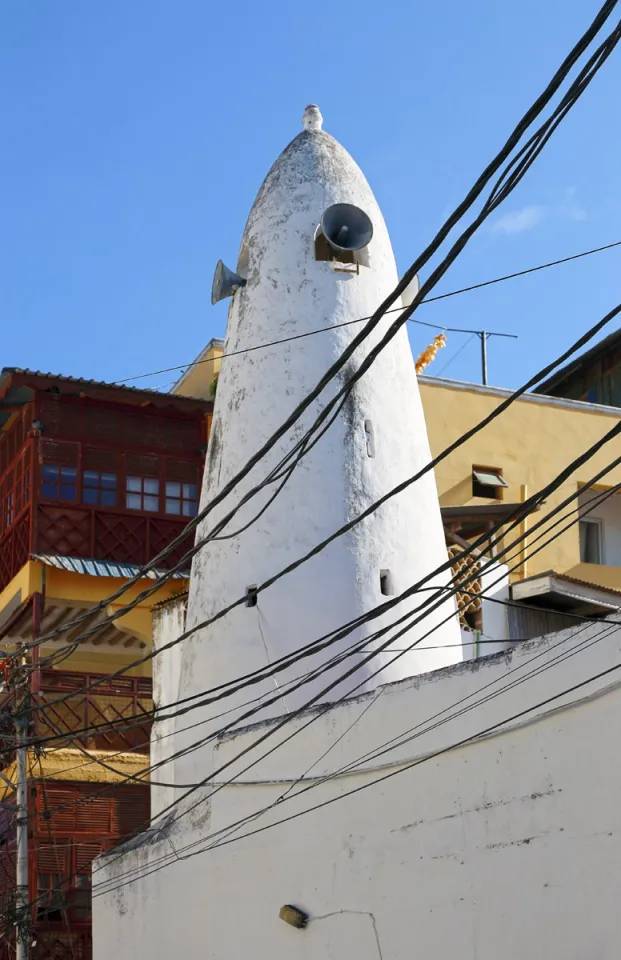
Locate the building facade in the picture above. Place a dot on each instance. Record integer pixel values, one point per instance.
(471, 811)
(429, 806)
(578, 568)
(594, 376)
(95, 481)
(561, 566)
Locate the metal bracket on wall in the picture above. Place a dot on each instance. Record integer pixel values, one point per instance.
(343, 268)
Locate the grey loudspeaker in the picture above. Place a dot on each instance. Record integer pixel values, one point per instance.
(346, 227)
(225, 283)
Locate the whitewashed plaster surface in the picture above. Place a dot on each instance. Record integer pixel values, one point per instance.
(508, 847)
(168, 624)
(289, 293)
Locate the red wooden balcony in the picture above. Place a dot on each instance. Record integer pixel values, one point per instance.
(115, 715)
(94, 479)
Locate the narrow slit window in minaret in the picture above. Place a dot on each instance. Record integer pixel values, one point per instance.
(386, 585)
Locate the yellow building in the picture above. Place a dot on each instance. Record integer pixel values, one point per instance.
(200, 379)
(512, 458)
(525, 448)
(96, 480)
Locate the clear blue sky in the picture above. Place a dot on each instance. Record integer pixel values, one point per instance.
(137, 132)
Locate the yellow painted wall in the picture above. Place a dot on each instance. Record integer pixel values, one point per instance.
(197, 380)
(82, 592)
(530, 443)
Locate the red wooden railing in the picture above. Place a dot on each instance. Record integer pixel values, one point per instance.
(115, 715)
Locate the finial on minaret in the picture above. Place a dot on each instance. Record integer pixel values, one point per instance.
(312, 119)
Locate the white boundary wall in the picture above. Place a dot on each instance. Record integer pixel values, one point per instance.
(509, 847)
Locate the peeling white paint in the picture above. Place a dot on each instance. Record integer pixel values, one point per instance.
(289, 292)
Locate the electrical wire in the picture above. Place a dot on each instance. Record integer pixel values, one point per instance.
(442, 296)
(464, 437)
(373, 701)
(202, 783)
(595, 479)
(324, 543)
(181, 855)
(575, 90)
(123, 725)
(480, 734)
(421, 729)
(315, 699)
(616, 625)
(591, 506)
(546, 651)
(455, 355)
(610, 6)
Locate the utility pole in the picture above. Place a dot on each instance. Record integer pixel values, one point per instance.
(483, 336)
(23, 933)
(22, 890)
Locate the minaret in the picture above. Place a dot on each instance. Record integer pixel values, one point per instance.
(300, 278)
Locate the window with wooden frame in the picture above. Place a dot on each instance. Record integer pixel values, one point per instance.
(142, 493)
(59, 483)
(82, 896)
(51, 899)
(142, 483)
(181, 498)
(99, 488)
(100, 477)
(59, 471)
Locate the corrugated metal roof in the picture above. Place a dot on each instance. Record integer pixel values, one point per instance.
(585, 358)
(93, 383)
(101, 568)
(568, 579)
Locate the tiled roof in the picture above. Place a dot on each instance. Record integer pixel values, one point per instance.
(567, 579)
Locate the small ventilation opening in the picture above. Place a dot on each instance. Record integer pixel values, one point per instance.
(323, 251)
(251, 595)
(386, 584)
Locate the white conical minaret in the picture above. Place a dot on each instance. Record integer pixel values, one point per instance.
(378, 440)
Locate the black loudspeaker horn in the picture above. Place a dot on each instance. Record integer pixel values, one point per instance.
(225, 283)
(346, 227)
